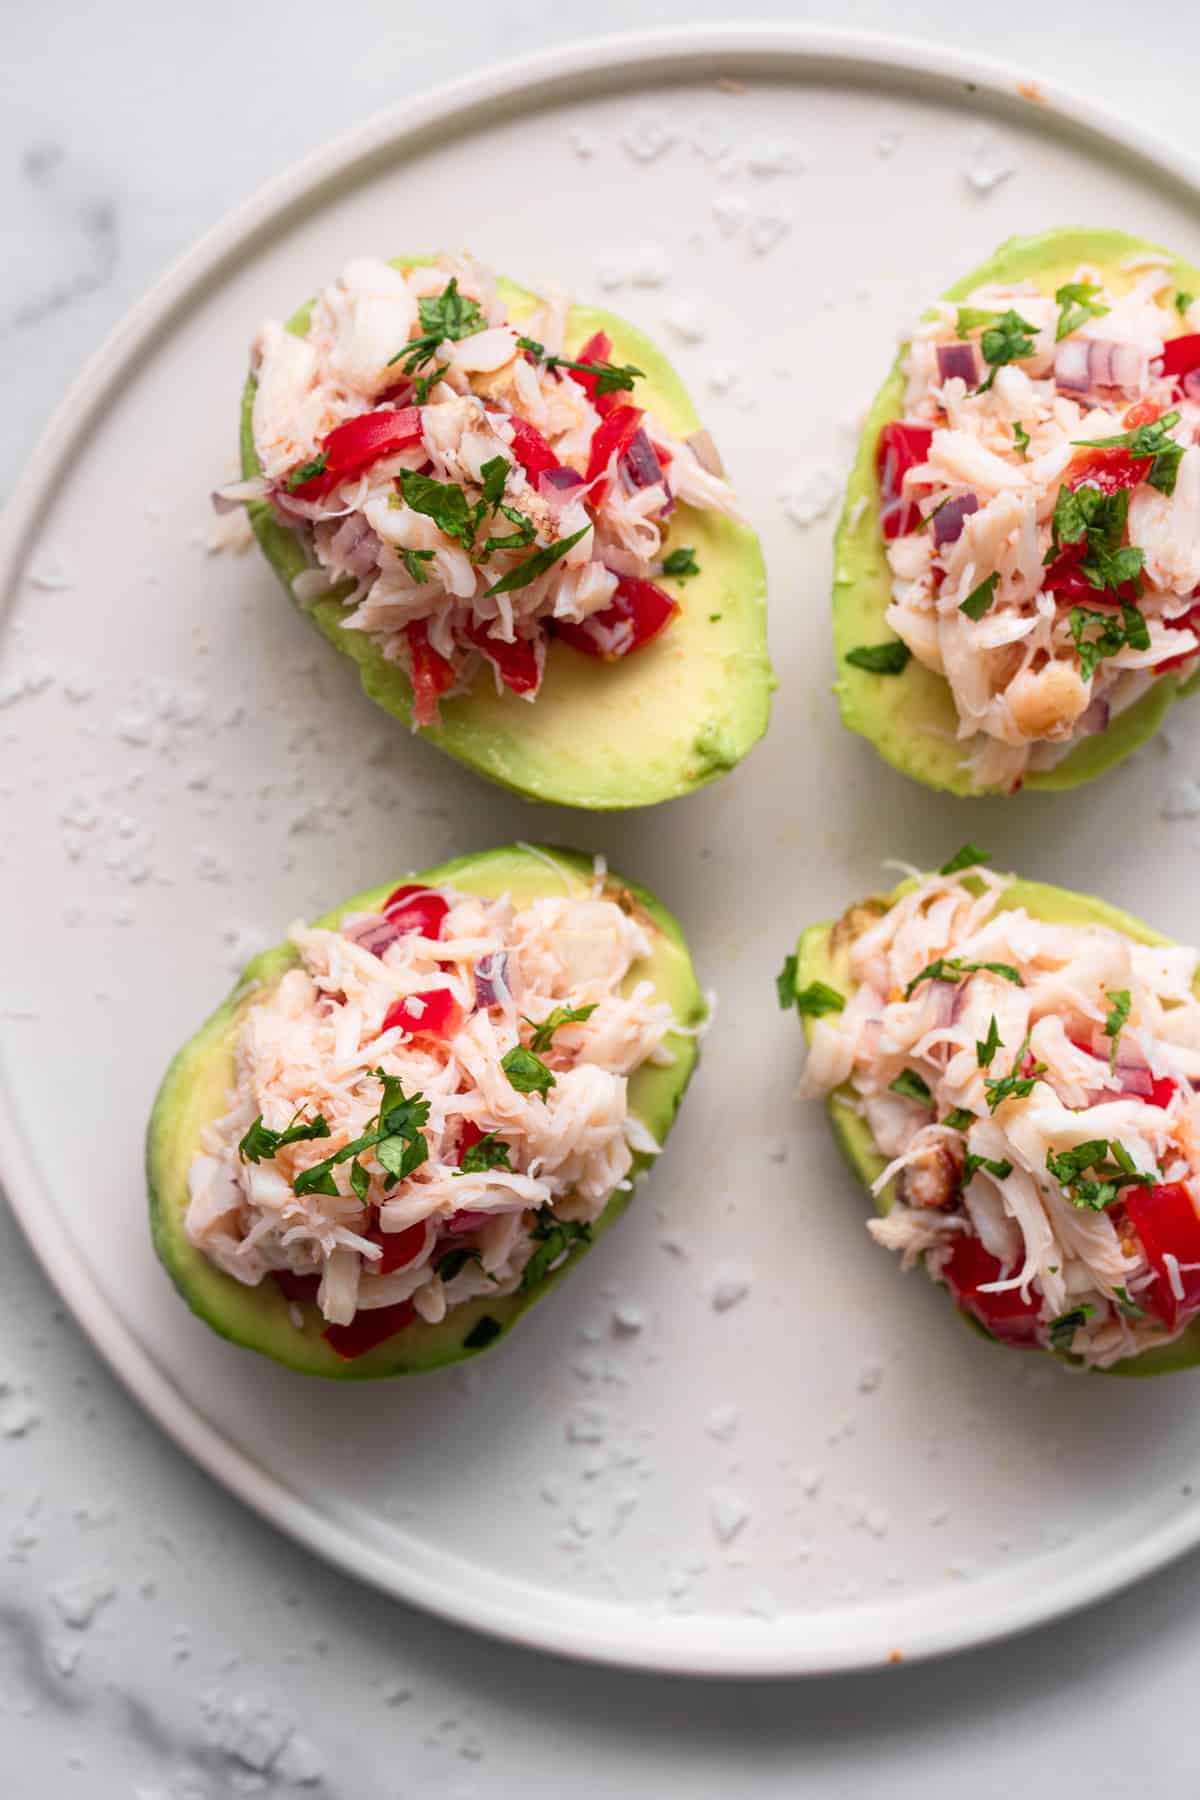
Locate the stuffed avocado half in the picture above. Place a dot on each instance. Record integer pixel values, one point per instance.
(1017, 565)
(406, 1123)
(1010, 1069)
(634, 666)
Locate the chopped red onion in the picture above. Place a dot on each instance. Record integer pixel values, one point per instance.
(1084, 363)
(491, 976)
(375, 937)
(354, 546)
(1190, 384)
(1095, 719)
(1135, 1078)
(639, 465)
(958, 361)
(949, 519)
(706, 453)
(467, 1219)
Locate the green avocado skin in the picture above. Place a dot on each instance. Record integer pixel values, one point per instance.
(195, 1088)
(678, 714)
(823, 954)
(910, 718)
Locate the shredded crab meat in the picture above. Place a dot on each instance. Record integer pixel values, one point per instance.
(909, 1053)
(997, 460)
(402, 569)
(313, 1046)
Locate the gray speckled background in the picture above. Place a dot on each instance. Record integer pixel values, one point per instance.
(157, 1641)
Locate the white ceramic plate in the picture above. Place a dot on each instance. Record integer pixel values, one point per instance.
(186, 768)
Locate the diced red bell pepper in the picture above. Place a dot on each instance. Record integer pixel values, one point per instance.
(352, 447)
(1073, 589)
(1168, 1225)
(1109, 470)
(421, 909)
(517, 662)
(399, 1247)
(1162, 1090)
(901, 448)
(597, 349)
(1008, 1316)
(300, 1289)
(1142, 412)
(612, 437)
(1181, 355)
(646, 611)
(434, 1013)
(432, 676)
(531, 449)
(368, 1329)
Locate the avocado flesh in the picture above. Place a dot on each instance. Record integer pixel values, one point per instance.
(823, 954)
(195, 1092)
(911, 718)
(673, 716)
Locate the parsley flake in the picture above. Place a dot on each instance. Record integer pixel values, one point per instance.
(414, 561)
(491, 1152)
(543, 1034)
(815, 1000)
(1114, 634)
(1147, 441)
(554, 1238)
(969, 857)
(611, 378)
(527, 1072)
(1183, 301)
(445, 316)
(1013, 1086)
(958, 1120)
(1113, 1025)
(911, 1086)
(1001, 1169)
(986, 1051)
(681, 563)
(1007, 341)
(307, 472)
(1063, 1329)
(953, 968)
(536, 565)
(980, 599)
(1077, 303)
(260, 1143)
(1021, 439)
(880, 659)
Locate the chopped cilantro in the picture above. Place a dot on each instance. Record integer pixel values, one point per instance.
(448, 315)
(527, 1072)
(1021, 439)
(307, 472)
(1008, 340)
(261, 1143)
(611, 378)
(414, 561)
(543, 1034)
(360, 1182)
(969, 857)
(1183, 301)
(1063, 1329)
(1086, 512)
(952, 968)
(911, 1086)
(1114, 1024)
(1147, 441)
(394, 1134)
(994, 1166)
(494, 473)
(1077, 303)
(815, 1000)
(442, 501)
(880, 659)
(1013, 1086)
(785, 982)
(454, 1262)
(986, 1051)
(1108, 1178)
(681, 563)
(959, 1120)
(930, 516)
(485, 1331)
(554, 1238)
(1114, 634)
(970, 318)
(423, 383)
(536, 565)
(980, 599)
(1129, 1308)
(491, 1152)
(514, 540)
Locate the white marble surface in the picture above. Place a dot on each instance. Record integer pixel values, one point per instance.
(155, 1640)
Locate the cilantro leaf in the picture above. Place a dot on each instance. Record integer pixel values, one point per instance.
(969, 857)
(442, 501)
(1086, 512)
(1183, 301)
(543, 1034)
(1113, 1025)
(307, 472)
(527, 1072)
(1000, 1169)
(1077, 303)
(1063, 1329)
(494, 473)
(970, 318)
(986, 1051)
(681, 563)
(953, 968)
(1129, 1308)
(1108, 1178)
(514, 540)
(1147, 441)
(423, 383)
(413, 561)
(260, 1143)
(880, 659)
(536, 565)
(1008, 340)
(360, 1182)
(445, 316)
(785, 982)
(455, 1261)
(399, 1156)
(911, 1086)
(980, 599)
(611, 378)
(1021, 439)
(554, 1238)
(815, 1000)
(485, 1331)
(959, 1120)
(491, 1152)
(1013, 1086)
(1114, 634)
(394, 1134)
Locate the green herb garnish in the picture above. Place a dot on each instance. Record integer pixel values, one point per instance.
(543, 1034)
(970, 318)
(1113, 636)
(611, 378)
(1129, 1308)
(307, 472)
(1151, 441)
(414, 561)
(969, 857)
(1001, 1169)
(514, 540)
(394, 1134)
(959, 1120)
(536, 565)
(1013, 1086)
(490, 1152)
(260, 1143)
(1108, 1178)
(986, 1051)
(1021, 439)
(1115, 1022)
(554, 1238)
(442, 501)
(527, 1072)
(1007, 341)
(980, 599)
(880, 659)
(1077, 304)
(815, 1000)
(485, 1331)
(952, 968)
(1183, 301)
(681, 563)
(911, 1086)
(445, 316)
(1063, 1329)
(1086, 513)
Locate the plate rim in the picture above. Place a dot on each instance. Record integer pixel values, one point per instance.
(679, 55)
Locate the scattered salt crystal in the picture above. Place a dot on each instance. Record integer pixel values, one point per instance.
(594, 1464)
(939, 1517)
(647, 139)
(611, 276)
(23, 683)
(730, 213)
(987, 163)
(678, 1583)
(65, 1657)
(887, 144)
(79, 1599)
(50, 572)
(869, 1377)
(650, 267)
(587, 1426)
(808, 495)
(765, 232)
(774, 156)
(683, 318)
(1182, 800)
(810, 1481)
(299, 1762)
(18, 1415)
(722, 1423)
(134, 725)
(623, 1505)
(550, 1491)
(761, 1603)
(397, 1693)
(583, 143)
(627, 1317)
(675, 1243)
(730, 1286)
(711, 139)
(78, 686)
(729, 1512)
(722, 376)
(584, 1521)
